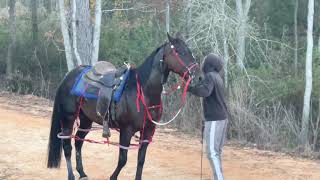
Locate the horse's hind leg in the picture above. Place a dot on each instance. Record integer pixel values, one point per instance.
(68, 121)
(67, 148)
(125, 138)
(85, 123)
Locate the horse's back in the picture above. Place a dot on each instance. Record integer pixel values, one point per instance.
(66, 99)
(71, 76)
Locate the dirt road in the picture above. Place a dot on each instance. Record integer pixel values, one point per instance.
(23, 144)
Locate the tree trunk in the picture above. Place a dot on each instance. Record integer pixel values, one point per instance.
(319, 47)
(188, 19)
(296, 43)
(96, 32)
(34, 19)
(241, 35)
(66, 38)
(315, 129)
(84, 32)
(48, 6)
(12, 45)
(225, 44)
(109, 5)
(74, 32)
(168, 16)
(308, 88)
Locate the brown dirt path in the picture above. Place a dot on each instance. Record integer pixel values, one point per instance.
(23, 146)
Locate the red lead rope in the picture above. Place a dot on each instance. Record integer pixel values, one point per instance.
(140, 97)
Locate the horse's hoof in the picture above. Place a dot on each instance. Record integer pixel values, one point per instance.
(84, 178)
(113, 178)
(71, 177)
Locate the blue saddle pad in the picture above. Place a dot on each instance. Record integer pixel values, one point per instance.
(83, 88)
(87, 90)
(118, 93)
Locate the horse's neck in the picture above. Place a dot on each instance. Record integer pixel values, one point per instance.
(151, 85)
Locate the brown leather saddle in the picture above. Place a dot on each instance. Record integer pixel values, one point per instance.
(103, 73)
(106, 77)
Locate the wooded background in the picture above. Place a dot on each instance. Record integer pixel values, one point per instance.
(271, 49)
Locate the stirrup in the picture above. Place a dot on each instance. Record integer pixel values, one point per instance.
(106, 131)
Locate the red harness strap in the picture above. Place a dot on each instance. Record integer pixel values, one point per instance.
(147, 114)
(138, 93)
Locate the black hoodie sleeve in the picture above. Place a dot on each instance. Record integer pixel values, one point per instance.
(204, 89)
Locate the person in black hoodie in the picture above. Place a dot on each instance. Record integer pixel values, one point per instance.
(215, 111)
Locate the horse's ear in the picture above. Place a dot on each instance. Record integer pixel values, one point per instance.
(170, 38)
(180, 36)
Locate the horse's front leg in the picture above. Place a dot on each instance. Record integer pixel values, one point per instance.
(125, 138)
(141, 159)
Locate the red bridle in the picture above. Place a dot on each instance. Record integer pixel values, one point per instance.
(180, 61)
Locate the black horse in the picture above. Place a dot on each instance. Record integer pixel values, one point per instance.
(173, 56)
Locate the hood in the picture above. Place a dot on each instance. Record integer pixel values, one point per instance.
(212, 63)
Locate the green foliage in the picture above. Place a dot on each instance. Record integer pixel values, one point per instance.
(20, 84)
(34, 71)
(316, 76)
(4, 36)
(122, 43)
(271, 86)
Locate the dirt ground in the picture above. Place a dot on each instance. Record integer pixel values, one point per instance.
(24, 129)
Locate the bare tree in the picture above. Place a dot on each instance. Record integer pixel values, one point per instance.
(212, 28)
(225, 44)
(308, 88)
(242, 10)
(74, 32)
(12, 44)
(34, 19)
(319, 46)
(188, 18)
(48, 5)
(315, 129)
(96, 32)
(168, 15)
(66, 37)
(83, 46)
(84, 31)
(296, 43)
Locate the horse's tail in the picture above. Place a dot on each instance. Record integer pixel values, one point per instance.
(55, 143)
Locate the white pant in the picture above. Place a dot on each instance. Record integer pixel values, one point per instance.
(214, 136)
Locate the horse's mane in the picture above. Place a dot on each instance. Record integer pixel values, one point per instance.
(144, 70)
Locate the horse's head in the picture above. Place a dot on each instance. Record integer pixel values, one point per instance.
(179, 59)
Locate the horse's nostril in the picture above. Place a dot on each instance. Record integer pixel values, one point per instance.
(200, 78)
